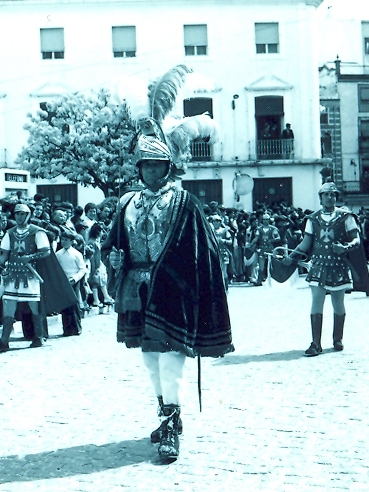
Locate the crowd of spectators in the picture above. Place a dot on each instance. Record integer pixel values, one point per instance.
(248, 237)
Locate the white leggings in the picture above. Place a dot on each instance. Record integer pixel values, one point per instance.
(166, 373)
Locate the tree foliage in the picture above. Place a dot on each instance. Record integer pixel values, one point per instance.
(84, 138)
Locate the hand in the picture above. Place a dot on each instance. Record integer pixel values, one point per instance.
(116, 258)
(25, 259)
(338, 248)
(287, 261)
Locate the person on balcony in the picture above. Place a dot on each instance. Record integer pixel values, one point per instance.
(287, 141)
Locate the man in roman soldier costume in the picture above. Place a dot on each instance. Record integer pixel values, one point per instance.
(170, 295)
(331, 234)
(21, 246)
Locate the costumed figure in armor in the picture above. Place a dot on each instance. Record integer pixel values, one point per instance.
(330, 234)
(21, 246)
(268, 238)
(163, 260)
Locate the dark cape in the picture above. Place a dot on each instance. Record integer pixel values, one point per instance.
(56, 292)
(187, 305)
(359, 269)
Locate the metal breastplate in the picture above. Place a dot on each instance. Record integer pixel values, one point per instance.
(147, 221)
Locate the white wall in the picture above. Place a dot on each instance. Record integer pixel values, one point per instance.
(231, 62)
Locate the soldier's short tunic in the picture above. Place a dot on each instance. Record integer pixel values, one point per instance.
(21, 284)
(328, 269)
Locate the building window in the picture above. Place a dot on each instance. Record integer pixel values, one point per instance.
(363, 98)
(366, 46)
(364, 136)
(326, 144)
(324, 118)
(267, 37)
(52, 43)
(196, 40)
(124, 41)
(49, 114)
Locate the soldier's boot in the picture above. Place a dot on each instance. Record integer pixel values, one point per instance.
(38, 324)
(316, 330)
(169, 442)
(157, 434)
(7, 329)
(338, 324)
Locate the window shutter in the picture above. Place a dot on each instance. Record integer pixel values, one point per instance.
(195, 35)
(124, 38)
(266, 33)
(52, 39)
(364, 94)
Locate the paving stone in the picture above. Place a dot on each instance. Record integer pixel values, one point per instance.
(76, 415)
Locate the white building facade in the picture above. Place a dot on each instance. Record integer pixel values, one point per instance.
(259, 60)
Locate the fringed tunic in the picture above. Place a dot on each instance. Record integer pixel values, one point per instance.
(328, 269)
(20, 283)
(170, 293)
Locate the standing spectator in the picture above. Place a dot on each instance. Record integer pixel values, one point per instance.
(90, 216)
(42, 207)
(74, 267)
(78, 222)
(251, 256)
(170, 295)
(7, 209)
(37, 215)
(59, 220)
(98, 274)
(104, 217)
(288, 141)
(239, 248)
(224, 238)
(330, 233)
(365, 233)
(68, 209)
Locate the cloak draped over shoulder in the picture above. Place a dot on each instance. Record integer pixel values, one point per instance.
(187, 305)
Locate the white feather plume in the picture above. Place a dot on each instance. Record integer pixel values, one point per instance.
(163, 92)
(187, 130)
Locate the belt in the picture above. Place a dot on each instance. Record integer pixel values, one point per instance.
(144, 265)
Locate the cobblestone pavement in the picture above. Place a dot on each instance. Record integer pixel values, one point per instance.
(76, 415)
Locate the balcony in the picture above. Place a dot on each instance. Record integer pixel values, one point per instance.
(275, 149)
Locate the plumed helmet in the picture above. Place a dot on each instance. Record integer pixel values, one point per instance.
(328, 188)
(150, 148)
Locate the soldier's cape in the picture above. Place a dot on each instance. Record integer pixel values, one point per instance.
(56, 292)
(359, 269)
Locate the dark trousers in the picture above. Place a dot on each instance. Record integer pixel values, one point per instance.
(71, 317)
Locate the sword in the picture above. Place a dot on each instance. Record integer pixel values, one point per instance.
(35, 272)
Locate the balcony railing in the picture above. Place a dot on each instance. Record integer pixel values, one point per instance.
(275, 148)
(201, 151)
(353, 187)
